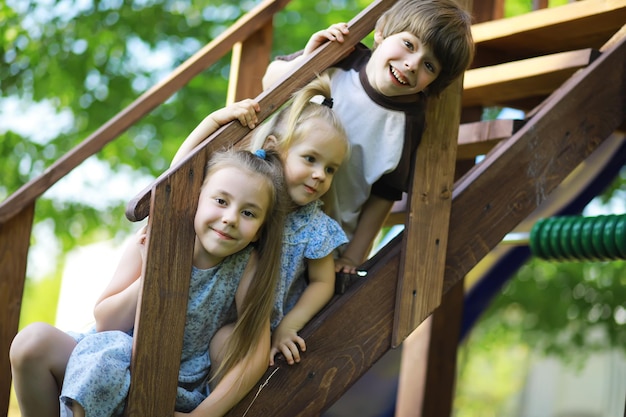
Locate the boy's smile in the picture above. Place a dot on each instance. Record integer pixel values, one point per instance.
(401, 65)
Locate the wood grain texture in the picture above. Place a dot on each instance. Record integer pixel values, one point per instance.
(519, 174)
(162, 305)
(576, 25)
(14, 244)
(422, 265)
(503, 84)
(245, 79)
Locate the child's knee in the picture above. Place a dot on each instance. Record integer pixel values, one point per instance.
(30, 344)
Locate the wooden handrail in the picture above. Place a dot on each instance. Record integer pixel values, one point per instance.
(277, 94)
(158, 94)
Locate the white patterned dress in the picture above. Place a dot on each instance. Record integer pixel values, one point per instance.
(98, 376)
(309, 234)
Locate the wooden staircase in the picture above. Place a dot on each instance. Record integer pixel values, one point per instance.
(558, 65)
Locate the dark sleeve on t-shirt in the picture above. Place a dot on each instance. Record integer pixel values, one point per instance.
(391, 185)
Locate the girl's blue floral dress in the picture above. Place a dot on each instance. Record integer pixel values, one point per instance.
(98, 375)
(309, 234)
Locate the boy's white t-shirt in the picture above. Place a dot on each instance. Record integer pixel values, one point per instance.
(384, 133)
(376, 136)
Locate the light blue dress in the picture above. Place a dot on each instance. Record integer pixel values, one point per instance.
(309, 234)
(98, 376)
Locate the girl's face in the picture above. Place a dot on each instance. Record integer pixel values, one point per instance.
(401, 65)
(311, 162)
(232, 208)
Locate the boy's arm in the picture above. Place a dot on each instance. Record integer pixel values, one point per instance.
(373, 216)
(278, 68)
(245, 111)
(317, 294)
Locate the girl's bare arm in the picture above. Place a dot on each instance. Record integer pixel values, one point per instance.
(318, 293)
(116, 307)
(245, 111)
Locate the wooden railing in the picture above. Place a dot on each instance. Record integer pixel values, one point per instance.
(154, 378)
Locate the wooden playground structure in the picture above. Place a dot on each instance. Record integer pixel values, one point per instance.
(564, 67)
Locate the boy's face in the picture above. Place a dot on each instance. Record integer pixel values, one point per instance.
(401, 65)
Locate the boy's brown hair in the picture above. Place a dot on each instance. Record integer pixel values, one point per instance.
(442, 25)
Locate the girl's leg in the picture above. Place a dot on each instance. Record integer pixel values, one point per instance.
(78, 410)
(39, 355)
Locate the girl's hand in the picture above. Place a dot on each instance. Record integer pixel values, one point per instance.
(287, 342)
(245, 111)
(335, 33)
(142, 235)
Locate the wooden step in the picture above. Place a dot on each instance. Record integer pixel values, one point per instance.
(576, 25)
(532, 78)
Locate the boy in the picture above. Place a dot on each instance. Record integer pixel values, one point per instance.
(420, 47)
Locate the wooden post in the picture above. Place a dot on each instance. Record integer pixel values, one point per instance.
(14, 243)
(245, 79)
(420, 282)
(162, 308)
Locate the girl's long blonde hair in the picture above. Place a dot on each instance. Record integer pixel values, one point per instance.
(312, 101)
(259, 299)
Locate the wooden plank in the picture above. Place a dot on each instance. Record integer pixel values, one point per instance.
(14, 243)
(162, 307)
(499, 85)
(281, 91)
(246, 81)
(442, 354)
(576, 121)
(158, 94)
(570, 125)
(478, 138)
(420, 283)
(343, 341)
(576, 25)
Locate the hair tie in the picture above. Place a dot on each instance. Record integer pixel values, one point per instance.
(260, 153)
(322, 101)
